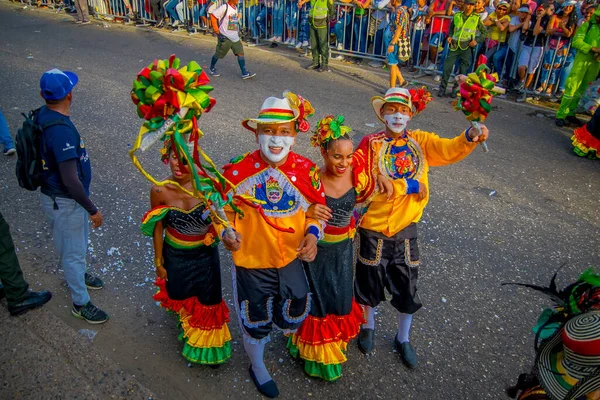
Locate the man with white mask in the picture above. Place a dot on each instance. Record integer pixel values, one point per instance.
(275, 234)
(389, 256)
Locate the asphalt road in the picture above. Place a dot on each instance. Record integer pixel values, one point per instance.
(473, 336)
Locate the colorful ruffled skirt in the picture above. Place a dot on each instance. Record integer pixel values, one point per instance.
(202, 313)
(334, 319)
(585, 144)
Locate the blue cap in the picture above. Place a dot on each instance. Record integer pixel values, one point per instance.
(56, 84)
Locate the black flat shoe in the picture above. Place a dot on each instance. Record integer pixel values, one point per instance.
(33, 300)
(366, 340)
(313, 66)
(268, 389)
(407, 353)
(441, 93)
(2, 295)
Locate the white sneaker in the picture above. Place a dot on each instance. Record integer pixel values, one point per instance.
(305, 43)
(272, 39)
(437, 78)
(292, 42)
(451, 79)
(430, 69)
(299, 44)
(279, 39)
(340, 47)
(287, 41)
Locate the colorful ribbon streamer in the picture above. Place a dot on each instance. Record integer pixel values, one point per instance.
(172, 99)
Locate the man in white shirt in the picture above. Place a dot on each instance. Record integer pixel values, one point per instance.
(225, 23)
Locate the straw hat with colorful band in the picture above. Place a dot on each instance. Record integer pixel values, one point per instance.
(415, 99)
(277, 111)
(329, 128)
(568, 364)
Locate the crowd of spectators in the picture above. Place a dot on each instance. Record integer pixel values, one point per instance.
(528, 42)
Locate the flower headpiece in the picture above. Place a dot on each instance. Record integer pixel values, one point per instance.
(305, 110)
(329, 128)
(420, 98)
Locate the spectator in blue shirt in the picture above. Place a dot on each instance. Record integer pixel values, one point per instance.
(65, 191)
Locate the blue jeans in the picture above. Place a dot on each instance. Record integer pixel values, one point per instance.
(291, 15)
(498, 58)
(343, 33)
(171, 11)
(5, 138)
(359, 40)
(252, 24)
(416, 45)
(70, 231)
(278, 18)
(378, 48)
(303, 32)
(550, 66)
(566, 69)
(261, 22)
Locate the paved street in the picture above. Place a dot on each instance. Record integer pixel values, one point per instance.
(514, 214)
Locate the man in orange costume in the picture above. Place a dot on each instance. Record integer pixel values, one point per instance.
(272, 240)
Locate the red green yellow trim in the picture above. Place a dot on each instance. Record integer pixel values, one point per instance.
(584, 144)
(204, 329)
(181, 241)
(328, 373)
(151, 217)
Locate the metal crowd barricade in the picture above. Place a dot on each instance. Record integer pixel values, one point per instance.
(355, 35)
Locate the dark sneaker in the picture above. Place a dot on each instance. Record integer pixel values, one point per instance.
(268, 389)
(366, 340)
(314, 66)
(573, 120)
(407, 353)
(248, 75)
(559, 122)
(441, 92)
(85, 22)
(9, 152)
(2, 295)
(33, 300)
(324, 68)
(90, 313)
(93, 282)
(213, 72)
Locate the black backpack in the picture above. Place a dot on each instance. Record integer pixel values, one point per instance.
(29, 167)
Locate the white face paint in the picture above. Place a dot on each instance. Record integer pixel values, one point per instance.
(396, 122)
(275, 148)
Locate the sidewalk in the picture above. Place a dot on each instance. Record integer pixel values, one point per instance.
(41, 357)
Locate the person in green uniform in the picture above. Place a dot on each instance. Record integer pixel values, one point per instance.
(12, 284)
(585, 69)
(318, 20)
(466, 31)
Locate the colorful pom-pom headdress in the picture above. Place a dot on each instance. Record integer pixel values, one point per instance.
(415, 99)
(329, 128)
(277, 111)
(171, 99)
